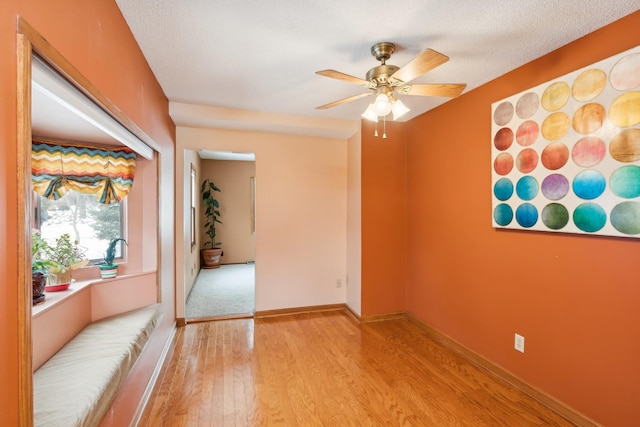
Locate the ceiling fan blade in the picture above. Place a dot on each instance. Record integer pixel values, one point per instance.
(345, 77)
(344, 101)
(427, 60)
(436, 89)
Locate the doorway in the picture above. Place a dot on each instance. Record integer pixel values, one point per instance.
(227, 291)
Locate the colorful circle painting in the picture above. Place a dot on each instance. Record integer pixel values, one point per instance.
(503, 114)
(625, 74)
(527, 160)
(503, 189)
(566, 152)
(526, 215)
(589, 84)
(503, 139)
(555, 186)
(625, 181)
(588, 118)
(588, 151)
(625, 217)
(555, 96)
(625, 110)
(527, 133)
(527, 187)
(625, 146)
(527, 105)
(589, 184)
(503, 214)
(555, 216)
(554, 156)
(555, 126)
(589, 217)
(503, 164)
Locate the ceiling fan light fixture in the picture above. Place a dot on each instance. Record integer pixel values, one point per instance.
(399, 109)
(382, 104)
(370, 114)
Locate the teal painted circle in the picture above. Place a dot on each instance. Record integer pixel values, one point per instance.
(555, 216)
(625, 182)
(625, 217)
(526, 215)
(503, 189)
(589, 217)
(527, 187)
(589, 184)
(503, 214)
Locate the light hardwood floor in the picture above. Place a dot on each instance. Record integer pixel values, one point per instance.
(323, 369)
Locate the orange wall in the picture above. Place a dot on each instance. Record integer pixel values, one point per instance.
(384, 199)
(575, 298)
(95, 38)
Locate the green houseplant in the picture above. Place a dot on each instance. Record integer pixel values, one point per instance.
(210, 254)
(63, 257)
(109, 269)
(39, 267)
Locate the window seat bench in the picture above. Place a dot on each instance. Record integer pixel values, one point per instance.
(79, 383)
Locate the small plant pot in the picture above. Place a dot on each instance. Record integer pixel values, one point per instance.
(38, 282)
(60, 278)
(210, 258)
(108, 271)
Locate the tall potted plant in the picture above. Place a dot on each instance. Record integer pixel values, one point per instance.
(210, 254)
(108, 268)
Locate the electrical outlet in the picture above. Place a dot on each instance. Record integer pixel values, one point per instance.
(519, 343)
(338, 283)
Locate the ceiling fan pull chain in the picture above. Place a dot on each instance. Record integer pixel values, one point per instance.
(384, 127)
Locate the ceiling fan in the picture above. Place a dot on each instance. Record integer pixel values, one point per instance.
(386, 80)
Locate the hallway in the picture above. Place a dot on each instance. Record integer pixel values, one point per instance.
(228, 291)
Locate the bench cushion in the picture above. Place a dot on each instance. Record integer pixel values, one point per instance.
(78, 384)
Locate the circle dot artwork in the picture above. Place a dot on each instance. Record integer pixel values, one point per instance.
(527, 133)
(527, 187)
(555, 186)
(527, 160)
(555, 216)
(589, 84)
(526, 215)
(555, 155)
(503, 114)
(503, 189)
(503, 164)
(503, 139)
(625, 74)
(566, 153)
(625, 110)
(555, 126)
(589, 217)
(588, 151)
(625, 146)
(589, 184)
(527, 105)
(625, 217)
(555, 96)
(589, 118)
(503, 214)
(625, 182)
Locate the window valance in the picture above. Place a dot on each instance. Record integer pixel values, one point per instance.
(106, 172)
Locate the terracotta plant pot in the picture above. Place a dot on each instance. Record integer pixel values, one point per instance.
(210, 258)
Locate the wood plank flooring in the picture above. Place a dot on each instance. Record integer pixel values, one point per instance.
(323, 369)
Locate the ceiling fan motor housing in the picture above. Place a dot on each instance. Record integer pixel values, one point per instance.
(380, 75)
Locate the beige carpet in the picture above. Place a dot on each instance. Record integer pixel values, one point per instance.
(224, 291)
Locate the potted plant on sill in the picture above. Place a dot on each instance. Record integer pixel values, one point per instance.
(63, 257)
(210, 254)
(109, 269)
(39, 267)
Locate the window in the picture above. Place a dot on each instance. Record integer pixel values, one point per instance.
(87, 220)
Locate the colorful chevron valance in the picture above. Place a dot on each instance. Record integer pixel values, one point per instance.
(56, 169)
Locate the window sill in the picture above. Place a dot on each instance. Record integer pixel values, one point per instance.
(54, 299)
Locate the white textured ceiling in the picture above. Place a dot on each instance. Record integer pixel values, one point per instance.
(262, 56)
